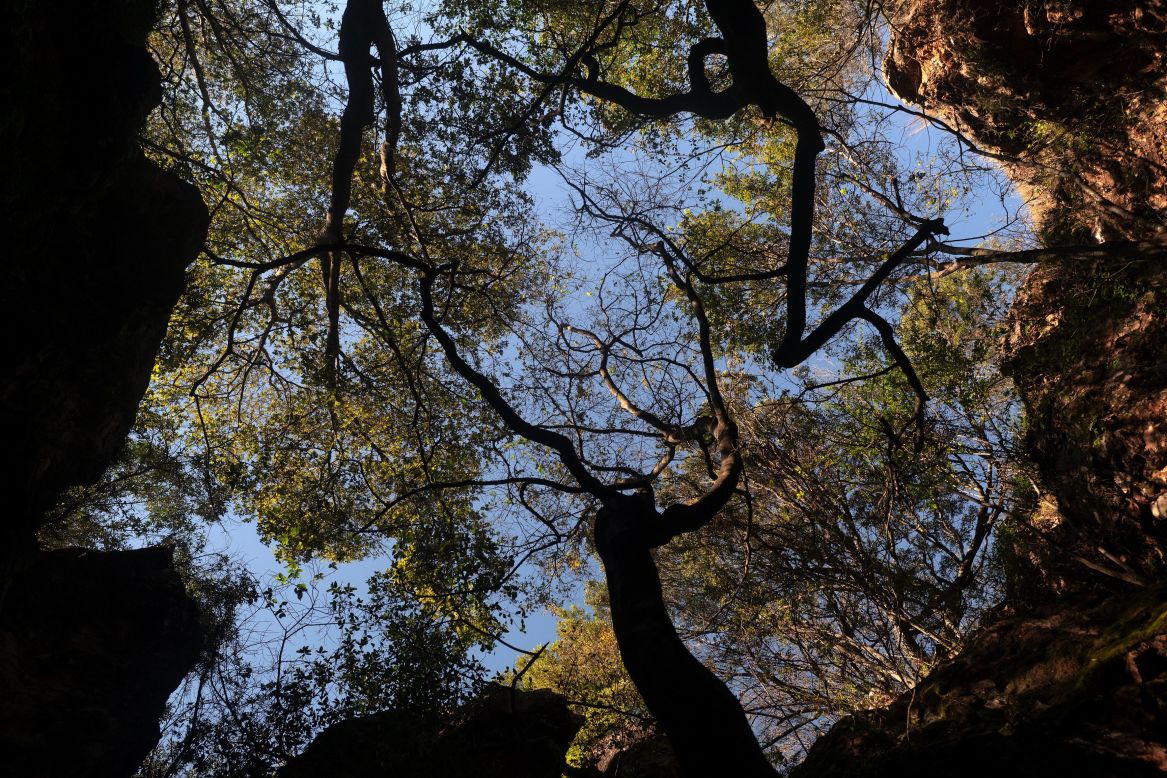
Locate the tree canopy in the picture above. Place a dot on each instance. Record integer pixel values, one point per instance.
(516, 295)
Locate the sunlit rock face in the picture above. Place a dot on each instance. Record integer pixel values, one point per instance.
(1070, 92)
(504, 734)
(96, 242)
(1072, 97)
(1087, 349)
(1071, 677)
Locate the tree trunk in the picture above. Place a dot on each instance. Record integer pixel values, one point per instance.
(702, 718)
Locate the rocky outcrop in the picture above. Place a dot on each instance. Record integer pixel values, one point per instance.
(1060, 692)
(1087, 349)
(1072, 96)
(1068, 93)
(97, 239)
(91, 645)
(1071, 679)
(504, 734)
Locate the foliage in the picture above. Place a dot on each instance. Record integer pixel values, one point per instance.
(278, 679)
(865, 548)
(583, 664)
(395, 347)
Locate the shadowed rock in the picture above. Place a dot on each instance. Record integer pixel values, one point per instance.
(96, 242)
(523, 734)
(91, 645)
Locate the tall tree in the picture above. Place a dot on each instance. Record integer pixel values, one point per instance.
(436, 392)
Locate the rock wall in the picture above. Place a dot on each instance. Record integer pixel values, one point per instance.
(97, 240)
(1058, 692)
(1072, 97)
(91, 645)
(1087, 350)
(1070, 94)
(1071, 679)
(504, 734)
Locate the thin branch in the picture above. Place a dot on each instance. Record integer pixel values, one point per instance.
(558, 443)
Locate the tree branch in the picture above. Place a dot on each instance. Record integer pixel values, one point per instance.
(794, 349)
(558, 443)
